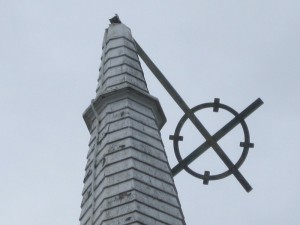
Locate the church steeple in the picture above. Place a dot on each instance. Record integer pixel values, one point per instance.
(128, 178)
(120, 66)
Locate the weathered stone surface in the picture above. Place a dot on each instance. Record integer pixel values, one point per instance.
(127, 177)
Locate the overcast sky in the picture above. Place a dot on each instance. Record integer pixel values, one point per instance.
(235, 50)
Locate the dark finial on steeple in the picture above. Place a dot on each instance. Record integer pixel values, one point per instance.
(115, 19)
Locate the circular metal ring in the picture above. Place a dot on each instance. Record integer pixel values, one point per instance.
(245, 147)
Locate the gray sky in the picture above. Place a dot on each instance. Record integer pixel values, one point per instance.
(235, 50)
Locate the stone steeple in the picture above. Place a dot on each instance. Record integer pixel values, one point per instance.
(128, 178)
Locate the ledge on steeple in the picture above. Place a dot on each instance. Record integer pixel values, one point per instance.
(130, 92)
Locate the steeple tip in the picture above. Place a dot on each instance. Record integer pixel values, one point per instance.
(115, 19)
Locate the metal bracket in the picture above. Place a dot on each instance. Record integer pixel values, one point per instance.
(210, 140)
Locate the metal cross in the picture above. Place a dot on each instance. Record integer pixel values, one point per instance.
(211, 141)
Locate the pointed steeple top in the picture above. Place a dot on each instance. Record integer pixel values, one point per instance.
(120, 66)
(121, 72)
(115, 19)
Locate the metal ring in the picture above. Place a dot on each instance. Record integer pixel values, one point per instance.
(245, 147)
